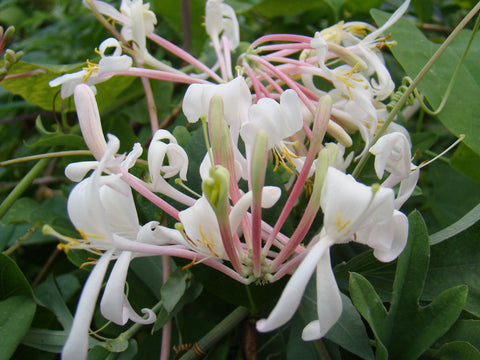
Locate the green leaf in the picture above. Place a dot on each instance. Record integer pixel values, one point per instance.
(149, 271)
(414, 50)
(272, 8)
(456, 351)
(349, 332)
(407, 322)
(170, 10)
(49, 295)
(367, 301)
(456, 262)
(173, 290)
(12, 281)
(35, 89)
(193, 291)
(46, 340)
(467, 162)
(16, 315)
(463, 330)
(363, 6)
(424, 9)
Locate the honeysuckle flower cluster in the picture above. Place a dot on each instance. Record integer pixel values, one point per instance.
(271, 110)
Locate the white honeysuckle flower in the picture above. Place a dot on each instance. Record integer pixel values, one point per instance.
(102, 209)
(143, 20)
(392, 153)
(236, 98)
(159, 151)
(94, 74)
(278, 120)
(201, 230)
(115, 62)
(367, 49)
(220, 18)
(352, 212)
(142, 23)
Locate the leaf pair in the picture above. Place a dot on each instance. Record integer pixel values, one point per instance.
(407, 329)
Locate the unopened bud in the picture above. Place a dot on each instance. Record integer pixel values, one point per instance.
(8, 34)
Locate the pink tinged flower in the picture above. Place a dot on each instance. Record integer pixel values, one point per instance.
(89, 120)
(201, 226)
(329, 303)
(220, 19)
(236, 98)
(103, 210)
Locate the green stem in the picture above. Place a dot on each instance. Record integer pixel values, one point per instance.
(217, 333)
(23, 185)
(45, 156)
(414, 85)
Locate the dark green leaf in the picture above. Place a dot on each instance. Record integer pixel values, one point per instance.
(464, 223)
(363, 6)
(467, 162)
(173, 290)
(272, 8)
(456, 351)
(463, 330)
(16, 315)
(456, 262)
(12, 281)
(193, 291)
(49, 295)
(367, 301)
(423, 9)
(349, 332)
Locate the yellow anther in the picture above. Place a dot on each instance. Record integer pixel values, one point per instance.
(87, 263)
(188, 266)
(338, 223)
(208, 242)
(381, 43)
(91, 67)
(347, 76)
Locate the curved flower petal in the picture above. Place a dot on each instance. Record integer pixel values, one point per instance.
(399, 241)
(278, 120)
(114, 304)
(201, 227)
(392, 153)
(77, 171)
(329, 302)
(236, 98)
(293, 292)
(76, 346)
(270, 195)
